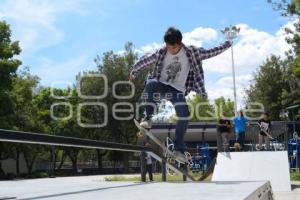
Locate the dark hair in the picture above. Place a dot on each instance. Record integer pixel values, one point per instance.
(266, 113)
(173, 36)
(242, 114)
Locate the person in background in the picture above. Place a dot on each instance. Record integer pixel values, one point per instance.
(225, 129)
(149, 163)
(263, 136)
(240, 125)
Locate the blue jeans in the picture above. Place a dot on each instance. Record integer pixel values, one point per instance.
(240, 138)
(154, 88)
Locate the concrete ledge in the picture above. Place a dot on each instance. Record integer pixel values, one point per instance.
(254, 166)
(91, 187)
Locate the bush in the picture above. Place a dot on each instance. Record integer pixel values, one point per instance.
(10, 176)
(38, 174)
(295, 176)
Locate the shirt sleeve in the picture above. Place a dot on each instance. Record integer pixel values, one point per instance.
(144, 62)
(208, 53)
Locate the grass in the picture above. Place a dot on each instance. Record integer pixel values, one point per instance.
(156, 178)
(121, 178)
(295, 176)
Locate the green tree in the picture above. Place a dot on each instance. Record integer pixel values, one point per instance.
(291, 96)
(70, 127)
(42, 101)
(286, 7)
(224, 105)
(269, 84)
(24, 116)
(8, 68)
(117, 67)
(201, 109)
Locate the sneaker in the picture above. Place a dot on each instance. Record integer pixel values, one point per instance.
(146, 123)
(180, 156)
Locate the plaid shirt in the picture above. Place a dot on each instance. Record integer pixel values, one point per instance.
(195, 79)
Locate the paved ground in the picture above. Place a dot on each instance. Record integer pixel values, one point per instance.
(94, 187)
(294, 195)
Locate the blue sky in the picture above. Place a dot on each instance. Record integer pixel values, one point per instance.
(61, 38)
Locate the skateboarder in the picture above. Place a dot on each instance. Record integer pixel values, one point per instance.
(178, 70)
(240, 124)
(265, 125)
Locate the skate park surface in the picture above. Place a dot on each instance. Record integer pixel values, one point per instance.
(244, 184)
(94, 187)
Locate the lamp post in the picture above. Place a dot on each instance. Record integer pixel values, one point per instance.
(231, 33)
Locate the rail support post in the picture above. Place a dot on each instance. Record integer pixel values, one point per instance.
(185, 168)
(52, 163)
(163, 171)
(143, 166)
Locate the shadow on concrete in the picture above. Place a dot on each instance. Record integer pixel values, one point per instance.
(83, 191)
(295, 186)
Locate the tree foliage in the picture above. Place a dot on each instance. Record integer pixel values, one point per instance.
(276, 83)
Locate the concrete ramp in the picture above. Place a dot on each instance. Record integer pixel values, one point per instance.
(91, 188)
(254, 166)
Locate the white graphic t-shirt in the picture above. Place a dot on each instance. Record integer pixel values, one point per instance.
(264, 125)
(175, 70)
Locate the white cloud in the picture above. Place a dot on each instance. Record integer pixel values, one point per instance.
(196, 37)
(149, 48)
(224, 87)
(252, 48)
(199, 35)
(52, 71)
(227, 80)
(33, 21)
(250, 51)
